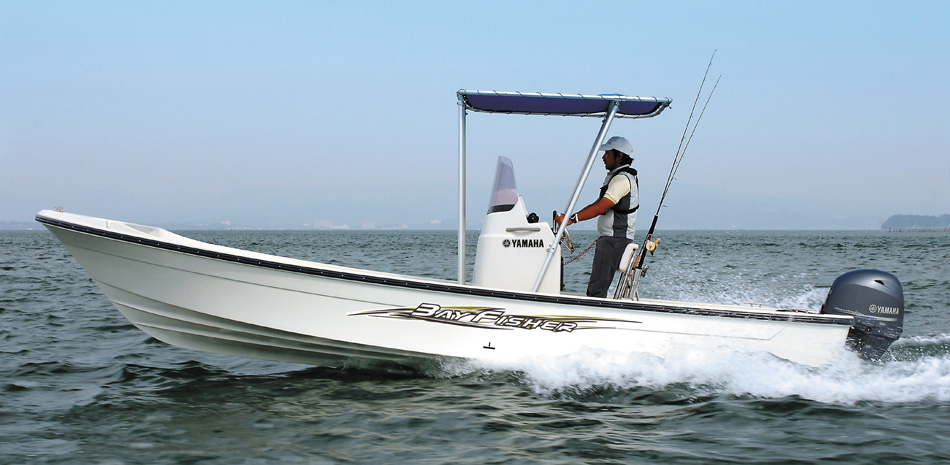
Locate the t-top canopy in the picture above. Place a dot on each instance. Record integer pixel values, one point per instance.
(606, 106)
(561, 104)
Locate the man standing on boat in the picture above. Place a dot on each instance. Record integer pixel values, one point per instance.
(616, 213)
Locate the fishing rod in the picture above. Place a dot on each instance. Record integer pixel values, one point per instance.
(630, 279)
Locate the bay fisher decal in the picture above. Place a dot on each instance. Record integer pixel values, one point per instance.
(485, 318)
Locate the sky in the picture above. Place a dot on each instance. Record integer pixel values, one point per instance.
(828, 115)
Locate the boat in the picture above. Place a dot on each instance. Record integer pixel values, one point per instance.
(224, 300)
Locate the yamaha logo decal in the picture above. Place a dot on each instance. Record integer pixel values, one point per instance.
(516, 243)
(883, 310)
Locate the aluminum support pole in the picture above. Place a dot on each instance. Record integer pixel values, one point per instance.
(461, 239)
(581, 180)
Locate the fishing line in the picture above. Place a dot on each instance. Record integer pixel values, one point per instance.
(628, 284)
(676, 166)
(681, 149)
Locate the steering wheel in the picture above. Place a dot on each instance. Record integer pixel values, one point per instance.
(566, 237)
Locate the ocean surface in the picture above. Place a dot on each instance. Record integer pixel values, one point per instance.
(79, 384)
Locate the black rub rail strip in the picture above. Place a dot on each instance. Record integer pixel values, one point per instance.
(454, 289)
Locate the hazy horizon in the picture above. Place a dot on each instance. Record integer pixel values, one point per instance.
(829, 115)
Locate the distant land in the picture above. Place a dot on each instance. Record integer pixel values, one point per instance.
(905, 222)
(20, 225)
(917, 222)
(227, 225)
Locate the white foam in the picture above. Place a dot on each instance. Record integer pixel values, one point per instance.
(845, 381)
(923, 340)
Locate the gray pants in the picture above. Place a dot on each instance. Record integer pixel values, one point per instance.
(607, 257)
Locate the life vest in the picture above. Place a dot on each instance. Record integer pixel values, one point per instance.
(620, 219)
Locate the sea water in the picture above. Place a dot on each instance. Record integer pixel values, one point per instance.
(79, 384)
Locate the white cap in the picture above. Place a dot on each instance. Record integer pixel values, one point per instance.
(618, 143)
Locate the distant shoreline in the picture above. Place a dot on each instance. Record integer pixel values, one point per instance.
(453, 231)
(918, 229)
(917, 222)
(894, 224)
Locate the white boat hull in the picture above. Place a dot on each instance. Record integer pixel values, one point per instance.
(229, 301)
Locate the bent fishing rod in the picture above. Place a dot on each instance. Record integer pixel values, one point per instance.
(630, 279)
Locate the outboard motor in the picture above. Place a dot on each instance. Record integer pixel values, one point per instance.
(876, 301)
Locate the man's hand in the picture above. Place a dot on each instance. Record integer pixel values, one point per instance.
(559, 218)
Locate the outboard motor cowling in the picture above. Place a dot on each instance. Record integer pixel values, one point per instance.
(876, 301)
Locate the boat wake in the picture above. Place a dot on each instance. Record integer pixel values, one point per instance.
(738, 292)
(917, 369)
